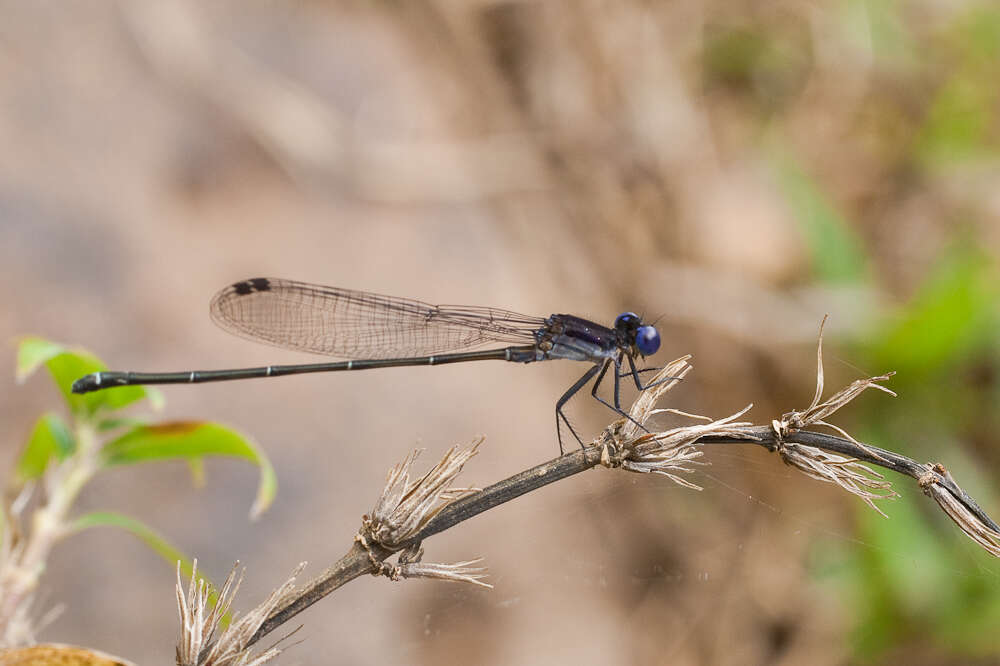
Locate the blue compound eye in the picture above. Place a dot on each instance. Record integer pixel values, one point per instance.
(626, 320)
(647, 339)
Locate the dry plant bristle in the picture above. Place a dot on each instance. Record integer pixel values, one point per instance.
(667, 452)
(201, 620)
(675, 451)
(404, 507)
(987, 537)
(848, 473)
(817, 411)
(410, 566)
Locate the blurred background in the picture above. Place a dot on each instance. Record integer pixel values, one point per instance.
(733, 170)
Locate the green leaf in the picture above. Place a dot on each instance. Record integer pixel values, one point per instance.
(836, 252)
(32, 353)
(959, 122)
(192, 440)
(150, 537)
(50, 437)
(66, 366)
(951, 315)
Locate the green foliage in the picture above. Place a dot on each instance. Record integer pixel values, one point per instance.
(50, 437)
(65, 366)
(909, 583)
(77, 446)
(191, 440)
(961, 123)
(836, 253)
(950, 319)
(915, 579)
(765, 67)
(958, 122)
(150, 537)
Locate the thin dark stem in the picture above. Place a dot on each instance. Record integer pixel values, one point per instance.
(354, 563)
(867, 453)
(359, 561)
(579, 461)
(511, 488)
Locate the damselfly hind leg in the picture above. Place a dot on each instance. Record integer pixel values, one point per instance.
(580, 383)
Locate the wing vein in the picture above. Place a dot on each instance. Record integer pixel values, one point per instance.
(344, 323)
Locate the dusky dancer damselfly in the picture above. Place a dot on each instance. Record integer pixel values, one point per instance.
(384, 331)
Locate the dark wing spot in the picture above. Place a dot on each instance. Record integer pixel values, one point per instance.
(242, 288)
(250, 286)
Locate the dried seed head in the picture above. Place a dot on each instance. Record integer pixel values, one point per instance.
(667, 452)
(848, 473)
(410, 566)
(817, 411)
(675, 450)
(459, 572)
(199, 623)
(405, 507)
(644, 406)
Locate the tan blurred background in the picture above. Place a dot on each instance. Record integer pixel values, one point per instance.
(733, 170)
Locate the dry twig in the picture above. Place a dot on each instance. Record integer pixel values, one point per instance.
(408, 512)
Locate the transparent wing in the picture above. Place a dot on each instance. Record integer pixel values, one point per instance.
(358, 325)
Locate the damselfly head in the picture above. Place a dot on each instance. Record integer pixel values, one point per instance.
(627, 322)
(645, 338)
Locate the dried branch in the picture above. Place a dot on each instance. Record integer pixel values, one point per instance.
(408, 512)
(978, 526)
